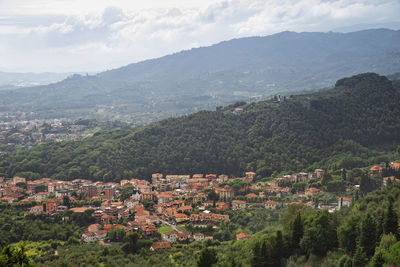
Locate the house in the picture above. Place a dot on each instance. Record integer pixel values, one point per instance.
(250, 176)
(36, 209)
(243, 236)
(93, 236)
(375, 170)
(170, 237)
(312, 191)
(164, 197)
(186, 209)
(251, 197)
(94, 227)
(395, 165)
(221, 206)
(225, 193)
(180, 217)
(41, 196)
(198, 237)
(238, 204)
(149, 231)
(183, 237)
(17, 180)
(344, 202)
(51, 205)
(131, 203)
(270, 204)
(389, 180)
(160, 245)
(319, 173)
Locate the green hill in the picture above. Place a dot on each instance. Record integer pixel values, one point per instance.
(349, 125)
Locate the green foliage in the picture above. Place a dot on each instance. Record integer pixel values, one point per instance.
(368, 235)
(15, 256)
(208, 257)
(319, 235)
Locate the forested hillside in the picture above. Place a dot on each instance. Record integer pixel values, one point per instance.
(352, 125)
(203, 78)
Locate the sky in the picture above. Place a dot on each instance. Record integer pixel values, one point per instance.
(96, 35)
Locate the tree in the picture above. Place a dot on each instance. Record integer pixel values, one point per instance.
(40, 188)
(368, 235)
(278, 249)
(319, 236)
(131, 243)
(344, 174)
(66, 201)
(297, 231)
(213, 196)
(360, 258)
(208, 257)
(390, 223)
(15, 256)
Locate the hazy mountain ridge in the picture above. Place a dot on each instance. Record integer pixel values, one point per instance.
(203, 78)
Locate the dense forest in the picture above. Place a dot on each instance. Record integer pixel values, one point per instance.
(365, 234)
(352, 125)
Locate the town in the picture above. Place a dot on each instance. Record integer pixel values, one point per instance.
(167, 209)
(27, 133)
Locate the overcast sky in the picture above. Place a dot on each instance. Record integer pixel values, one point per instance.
(95, 35)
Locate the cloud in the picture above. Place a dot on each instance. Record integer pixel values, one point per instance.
(108, 36)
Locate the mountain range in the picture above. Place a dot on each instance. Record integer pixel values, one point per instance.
(251, 68)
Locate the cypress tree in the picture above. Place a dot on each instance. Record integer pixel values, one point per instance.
(368, 235)
(390, 222)
(297, 231)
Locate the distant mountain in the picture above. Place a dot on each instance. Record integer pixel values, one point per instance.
(12, 80)
(348, 126)
(204, 78)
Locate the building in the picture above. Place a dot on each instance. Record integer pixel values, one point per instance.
(109, 192)
(395, 165)
(183, 237)
(243, 236)
(375, 170)
(250, 176)
(270, 204)
(319, 173)
(225, 193)
(180, 217)
(36, 209)
(198, 237)
(17, 180)
(238, 204)
(344, 202)
(91, 190)
(170, 237)
(51, 206)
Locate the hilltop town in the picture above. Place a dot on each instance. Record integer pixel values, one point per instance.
(182, 208)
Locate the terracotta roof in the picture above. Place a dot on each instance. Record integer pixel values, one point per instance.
(80, 209)
(161, 245)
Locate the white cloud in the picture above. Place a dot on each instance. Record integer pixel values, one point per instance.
(97, 35)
